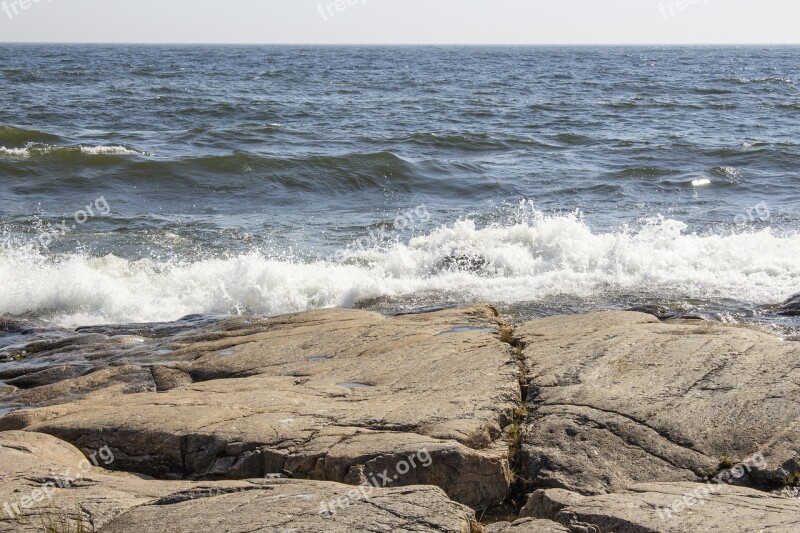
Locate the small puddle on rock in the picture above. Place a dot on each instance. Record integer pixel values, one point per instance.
(320, 358)
(226, 352)
(348, 385)
(464, 329)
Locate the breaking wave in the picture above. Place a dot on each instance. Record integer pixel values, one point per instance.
(538, 258)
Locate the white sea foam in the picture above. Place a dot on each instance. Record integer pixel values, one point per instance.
(109, 150)
(532, 260)
(14, 152)
(42, 149)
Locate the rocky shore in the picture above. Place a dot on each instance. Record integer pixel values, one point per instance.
(449, 420)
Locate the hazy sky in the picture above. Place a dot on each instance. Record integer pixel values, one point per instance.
(402, 21)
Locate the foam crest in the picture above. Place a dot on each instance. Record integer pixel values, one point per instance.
(35, 149)
(109, 150)
(14, 152)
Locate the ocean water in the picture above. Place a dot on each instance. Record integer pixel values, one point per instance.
(145, 183)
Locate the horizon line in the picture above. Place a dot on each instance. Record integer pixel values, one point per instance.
(200, 43)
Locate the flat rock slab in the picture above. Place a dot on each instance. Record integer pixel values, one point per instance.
(109, 502)
(293, 506)
(620, 398)
(336, 395)
(671, 508)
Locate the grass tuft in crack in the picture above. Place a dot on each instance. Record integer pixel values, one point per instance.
(60, 521)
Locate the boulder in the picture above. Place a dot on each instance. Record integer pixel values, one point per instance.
(166, 379)
(549, 502)
(464, 263)
(679, 508)
(620, 398)
(334, 395)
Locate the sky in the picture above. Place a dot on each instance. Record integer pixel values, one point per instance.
(403, 21)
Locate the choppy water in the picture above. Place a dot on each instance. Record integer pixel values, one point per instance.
(148, 183)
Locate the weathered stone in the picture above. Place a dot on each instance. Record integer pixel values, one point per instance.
(42, 357)
(47, 376)
(681, 508)
(287, 506)
(109, 502)
(335, 395)
(549, 502)
(167, 379)
(101, 383)
(620, 398)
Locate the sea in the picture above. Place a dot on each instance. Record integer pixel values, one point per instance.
(147, 183)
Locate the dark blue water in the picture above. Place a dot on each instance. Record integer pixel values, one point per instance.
(145, 183)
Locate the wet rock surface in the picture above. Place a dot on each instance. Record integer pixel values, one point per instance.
(677, 314)
(659, 311)
(790, 307)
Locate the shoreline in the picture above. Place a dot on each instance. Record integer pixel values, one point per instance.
(776, 318)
